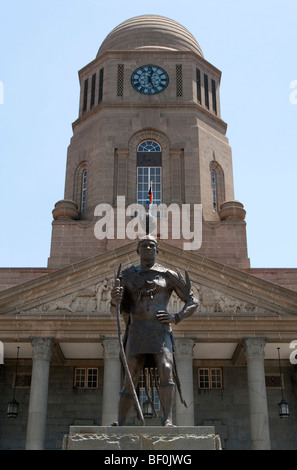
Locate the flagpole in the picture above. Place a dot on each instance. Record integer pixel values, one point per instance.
(149, 202)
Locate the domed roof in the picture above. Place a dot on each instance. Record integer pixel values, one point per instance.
(150, 32)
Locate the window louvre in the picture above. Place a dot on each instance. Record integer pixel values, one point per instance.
(101, 73)
(93, 88)
(22, 380)
(85, 103)
(273, 381)
(206, 91)
(179, 80)
(120, 82)
(214, 96)
(198, 82)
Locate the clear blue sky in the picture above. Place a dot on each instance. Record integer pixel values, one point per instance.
(43, 44)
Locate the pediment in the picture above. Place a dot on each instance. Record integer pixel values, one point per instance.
(84, 287)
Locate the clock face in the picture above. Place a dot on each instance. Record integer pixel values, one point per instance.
(149, 79)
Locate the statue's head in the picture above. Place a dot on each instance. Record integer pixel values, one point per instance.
(147, 238)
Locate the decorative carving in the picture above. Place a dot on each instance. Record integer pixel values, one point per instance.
(215, 302)
(207, 299)
(103, 296)
(111, 348)
(175, 305)
(254, 347)
(42, 348)
(95, 299)
(183, 348)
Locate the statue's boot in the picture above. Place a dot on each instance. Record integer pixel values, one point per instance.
(166, 394)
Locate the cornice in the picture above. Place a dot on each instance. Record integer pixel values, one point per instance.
(155, 52)
(89, 329)
(202, 271)
(208, 116)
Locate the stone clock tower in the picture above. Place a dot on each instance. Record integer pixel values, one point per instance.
(149, 114)
(149, 110)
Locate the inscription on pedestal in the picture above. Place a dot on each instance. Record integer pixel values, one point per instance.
(141, 438)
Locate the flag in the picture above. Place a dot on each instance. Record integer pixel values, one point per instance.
(149, 198)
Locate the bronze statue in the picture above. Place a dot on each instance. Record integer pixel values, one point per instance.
(143, 295)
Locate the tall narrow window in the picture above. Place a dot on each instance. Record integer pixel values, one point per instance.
(83, 190)
(100, 95)
(206, 91)
(85, 103)
(214, 96)
(120, 83)
(217, 184)
(214, 190)
(149, 170)
(149, 382)
(198, 82)
(93, 89)
(179, 80)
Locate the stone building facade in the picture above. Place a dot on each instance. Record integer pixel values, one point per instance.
(149, 110)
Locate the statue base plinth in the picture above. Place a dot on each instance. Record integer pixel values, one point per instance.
(136, 438)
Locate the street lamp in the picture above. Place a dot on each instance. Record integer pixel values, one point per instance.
(283, 407)
(147, 409)
(13, 406)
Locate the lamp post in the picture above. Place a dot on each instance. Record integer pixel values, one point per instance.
(283, 407)
(147, 409)
(13, 406)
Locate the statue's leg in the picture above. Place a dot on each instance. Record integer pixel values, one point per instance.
(164, 363)
(126, 402)
(167, 393)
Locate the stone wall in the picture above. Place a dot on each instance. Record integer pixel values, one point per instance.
(227, 409)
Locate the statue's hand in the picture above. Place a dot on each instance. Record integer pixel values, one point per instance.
(165, 317)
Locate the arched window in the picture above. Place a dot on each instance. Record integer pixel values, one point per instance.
(80, 185)
(83, 190)
(149, 171)
(214, 190)
(217, 185)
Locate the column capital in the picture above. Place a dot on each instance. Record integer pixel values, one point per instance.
(123, 153)
(42, 347)
(183, 347)
(176, 152)
(111, 348)
(254, 347)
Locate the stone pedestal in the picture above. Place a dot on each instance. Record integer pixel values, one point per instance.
(134, 438)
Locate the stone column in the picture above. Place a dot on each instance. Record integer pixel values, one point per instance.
(254, 352)
(111, 381)
(36, 424)
(184, 364)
